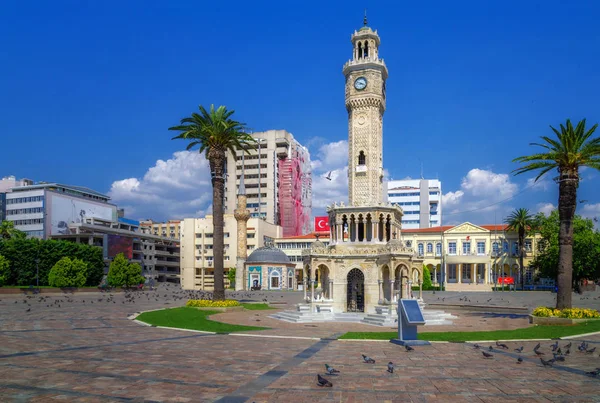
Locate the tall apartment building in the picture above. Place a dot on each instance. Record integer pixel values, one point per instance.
(170, 229)
(277, 179)
(421, 200)
(46, 209)
(197, 271)
(7, 183)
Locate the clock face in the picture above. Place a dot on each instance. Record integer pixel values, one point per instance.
(360, 83)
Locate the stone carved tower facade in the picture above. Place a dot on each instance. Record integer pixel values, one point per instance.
(242, 215)
(366, 75)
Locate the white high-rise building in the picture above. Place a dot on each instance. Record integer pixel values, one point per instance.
(282, 170)
(421, 200)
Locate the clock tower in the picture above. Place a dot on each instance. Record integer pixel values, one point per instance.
(365, 75)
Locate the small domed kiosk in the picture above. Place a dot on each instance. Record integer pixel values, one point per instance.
(268, 268)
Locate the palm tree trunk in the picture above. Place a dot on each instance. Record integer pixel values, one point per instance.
(567, 199)
(521, 252)
(217, 165)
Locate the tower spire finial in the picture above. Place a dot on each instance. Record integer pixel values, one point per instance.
(365, 19)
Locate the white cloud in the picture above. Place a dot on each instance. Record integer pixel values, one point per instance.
(478, 199)
(176, 188)
(331, 159)
(545, 208)
(542, 184)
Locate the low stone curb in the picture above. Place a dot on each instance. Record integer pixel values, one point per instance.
(553, 320)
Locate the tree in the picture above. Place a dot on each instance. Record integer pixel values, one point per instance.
(68, 273)
(573, 149)
(123, 273)
(231, 277)
(586, 247)
(521, 222)
(216, 134)
(8, 231)
(4, 270)
(426, 279)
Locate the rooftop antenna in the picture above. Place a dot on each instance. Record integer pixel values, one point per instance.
(365, 19)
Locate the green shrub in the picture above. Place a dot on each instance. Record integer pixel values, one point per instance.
(427, 279)
(4, 270)
(122, 273)
(68, 273)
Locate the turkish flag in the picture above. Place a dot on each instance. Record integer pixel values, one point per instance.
(322, 224)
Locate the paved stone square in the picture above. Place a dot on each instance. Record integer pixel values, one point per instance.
(90, 352)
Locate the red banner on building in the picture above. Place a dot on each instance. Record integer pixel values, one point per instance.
(322, 224)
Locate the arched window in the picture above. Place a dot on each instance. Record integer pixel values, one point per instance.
(366, 54)
(290, 284)
(429, 248)
(420, 249)
(438, 249)
(360, 51)
(361, 158)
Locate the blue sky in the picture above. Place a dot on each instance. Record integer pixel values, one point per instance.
(90, 88)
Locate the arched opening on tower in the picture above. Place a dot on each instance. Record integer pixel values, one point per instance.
(380, 227)
(344, 228)
(361, 158)
(352, 228)
(361, 228)
(388, 227)
(366, 51)
(360, 50)
(369, 230)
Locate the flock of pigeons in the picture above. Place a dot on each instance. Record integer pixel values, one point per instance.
(559, 354)
(324, 382)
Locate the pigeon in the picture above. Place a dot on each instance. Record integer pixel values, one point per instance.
(519, 350)
(390, 368)
(28, 310)
(568, 352)
(491, 348)
(323, 382)
(554, 346)
(331, 370)
(519, 360)
(328, 177)
(591, 351)
(368, 359)
(537, 347)
(559, 351)
(408, 348)
(487, 355)
(558, 357)
(501, 345)
(593, 374)
(476, 346)
(538, 353)
(568, 346)
(545, 363)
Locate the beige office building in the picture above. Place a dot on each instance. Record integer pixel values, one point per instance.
(197, 271)
(170, 229)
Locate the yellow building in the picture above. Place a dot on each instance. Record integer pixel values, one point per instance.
(170, 229)
(473, 256)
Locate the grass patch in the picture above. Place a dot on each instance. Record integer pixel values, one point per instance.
(193, 319)
(256, 307)
(533, 332)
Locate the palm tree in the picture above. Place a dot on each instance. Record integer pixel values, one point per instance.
(521, 222)
(573, 149)
(216, 134)
(8, 231)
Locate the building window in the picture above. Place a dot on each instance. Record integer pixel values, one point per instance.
(430, 248)
(438, 249)
(466, 248)
(198, 235)
(481, 247)
(452, 272)
(452, 248)
(515, 249)
(505, 246)
(420, 248)
(361, 158)
(495, 248)
(528, 247)
(208, 235)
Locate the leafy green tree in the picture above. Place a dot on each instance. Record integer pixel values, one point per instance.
(521, 222)
(68, 273)
(231, 276)
(572, 149)
(586, 247)
(118, 271)
(216, 134)
(4, 270)
(134, 275)
(8, 231)
(427, 285)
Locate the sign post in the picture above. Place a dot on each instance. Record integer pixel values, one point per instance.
(410, 316)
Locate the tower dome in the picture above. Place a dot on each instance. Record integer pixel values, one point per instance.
(268, 254)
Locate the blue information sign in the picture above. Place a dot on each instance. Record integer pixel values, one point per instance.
(412, 311)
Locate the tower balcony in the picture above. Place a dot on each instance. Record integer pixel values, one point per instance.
(373, 62)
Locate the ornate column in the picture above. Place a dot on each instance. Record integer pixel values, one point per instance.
(380, 291)
(391, 292)
(459, 274)
(304, 287)
(420, 289)
(312, 290)
(330, 289)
